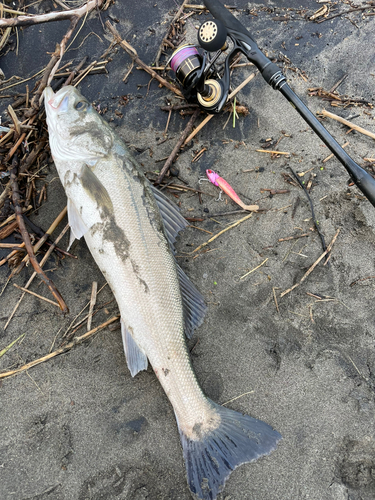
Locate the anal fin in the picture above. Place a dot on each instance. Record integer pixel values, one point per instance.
(135, 358)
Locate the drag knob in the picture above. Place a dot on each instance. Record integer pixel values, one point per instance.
(212, 35)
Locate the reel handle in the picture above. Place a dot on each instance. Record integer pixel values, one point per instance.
(221, 13)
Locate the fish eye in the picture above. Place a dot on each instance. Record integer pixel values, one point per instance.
(81, 105)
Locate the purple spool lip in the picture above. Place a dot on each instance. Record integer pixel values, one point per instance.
(181, 55)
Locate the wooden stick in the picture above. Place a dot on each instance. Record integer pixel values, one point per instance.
(51, 16)
(332, 155)
(348, 123)
(180, 142)
(11, 245)
(221, 232)
(294, 237)
(272, 152)
(255, 268)
(66, 348)
(310, 270)
(28, 245)
(44, 238)
(11, 254)
(36, 295)
(133, 54)
(4, 8)
(43, 261)
(92, 304)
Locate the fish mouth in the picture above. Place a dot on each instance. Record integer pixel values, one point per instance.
(57, 101)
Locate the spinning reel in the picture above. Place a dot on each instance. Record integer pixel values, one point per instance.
(195, 70)
(194, 66)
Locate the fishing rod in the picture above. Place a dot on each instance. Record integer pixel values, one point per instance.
(195, 71)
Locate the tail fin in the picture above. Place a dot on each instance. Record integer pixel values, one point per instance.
(210, 460)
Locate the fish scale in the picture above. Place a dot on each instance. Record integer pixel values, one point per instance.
(130, 229)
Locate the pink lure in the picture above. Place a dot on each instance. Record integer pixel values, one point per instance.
(227, 188)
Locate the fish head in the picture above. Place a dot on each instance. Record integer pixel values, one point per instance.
(76, 130)
(212, 176)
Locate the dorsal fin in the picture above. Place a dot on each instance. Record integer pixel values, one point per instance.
(192, 301)
(172, 219)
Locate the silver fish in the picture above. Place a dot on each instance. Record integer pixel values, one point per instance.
(130, 229)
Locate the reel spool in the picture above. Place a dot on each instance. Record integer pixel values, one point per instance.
(187, 64)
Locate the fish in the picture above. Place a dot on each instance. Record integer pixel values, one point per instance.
(130, 228)
(216, 180)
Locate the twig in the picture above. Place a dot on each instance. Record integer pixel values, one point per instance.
(43, 261)
(203, 7)
(311, 208)
(180, 142)
(92, 304)
(11, 245)
(4, 8)
(361, 279)
(237, 397)
(85, 73)
(6, 349)
(294, 237)
(348, 123)
(272, 152)
(255, 268)
(72, 325)
(51, 16)
(26, 239)
(343, 13)
(43, 239)
(133, 54)
(53, 354)
(337, 84)
(332, 155)
(75, 71)
(275, 298)
(221, 232)
(310, 270)
(36, 295)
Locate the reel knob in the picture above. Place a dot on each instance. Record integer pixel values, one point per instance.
(212, 35)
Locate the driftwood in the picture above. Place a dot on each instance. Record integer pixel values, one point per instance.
(73, 14)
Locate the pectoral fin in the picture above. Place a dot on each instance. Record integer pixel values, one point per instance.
(135, 358)
(77, 227)
(95, 189)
